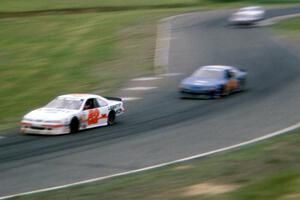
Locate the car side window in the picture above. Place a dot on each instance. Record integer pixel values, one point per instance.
(96, 104)
(89, 104)
(232, 73)
(101, 103)
(229, 74)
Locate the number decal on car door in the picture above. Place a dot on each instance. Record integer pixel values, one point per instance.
(93, 116)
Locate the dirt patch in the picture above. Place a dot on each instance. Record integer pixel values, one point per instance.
(208, 189)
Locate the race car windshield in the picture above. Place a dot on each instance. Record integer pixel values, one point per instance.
(61, 103)
(208, 74)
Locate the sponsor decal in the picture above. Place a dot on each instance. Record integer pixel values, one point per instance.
(103, 116)
(93, 116)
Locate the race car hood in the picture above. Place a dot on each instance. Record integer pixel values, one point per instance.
(201, 82)
(48, 114)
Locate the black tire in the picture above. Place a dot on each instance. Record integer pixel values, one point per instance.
(217, 94)
(223, 92)
(226, 93)
(111, 118)
(74, 126)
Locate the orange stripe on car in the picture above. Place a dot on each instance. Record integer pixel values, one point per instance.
(54, 125)
(26, 124)
(103, 116)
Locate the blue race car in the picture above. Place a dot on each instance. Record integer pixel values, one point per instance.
(214, 81)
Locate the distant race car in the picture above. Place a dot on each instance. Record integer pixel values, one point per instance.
(247, 15)
(71, 113)
(213, 81)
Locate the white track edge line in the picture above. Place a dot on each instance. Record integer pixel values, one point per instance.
(276, 133)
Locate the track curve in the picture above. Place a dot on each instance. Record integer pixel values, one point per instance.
(163, 127)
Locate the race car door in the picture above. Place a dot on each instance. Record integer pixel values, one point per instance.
(104, 111)
(94, 114)
(232, 82)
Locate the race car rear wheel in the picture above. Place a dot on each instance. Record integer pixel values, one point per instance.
(111, 118)
(74, 125)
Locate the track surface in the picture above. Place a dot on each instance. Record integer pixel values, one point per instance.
(162, 127)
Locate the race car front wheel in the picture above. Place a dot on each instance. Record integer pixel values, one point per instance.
(74, 126)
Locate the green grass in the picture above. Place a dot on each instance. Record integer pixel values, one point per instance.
(292, 25)
(268, 170)
(258, 1)
(28, 5)
(25, 5)
(290, 29)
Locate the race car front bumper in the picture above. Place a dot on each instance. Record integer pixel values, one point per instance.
(43, 129)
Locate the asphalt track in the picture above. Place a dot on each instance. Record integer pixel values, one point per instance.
(162, 127)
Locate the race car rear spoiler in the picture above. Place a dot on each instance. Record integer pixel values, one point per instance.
(113, 98)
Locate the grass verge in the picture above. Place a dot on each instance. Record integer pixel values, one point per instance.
(266, 170)
(32, 5)
(289, 29)
(36, 5)
(29, 5)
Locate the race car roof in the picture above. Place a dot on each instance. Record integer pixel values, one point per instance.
(216, 67)
(79, 96)
(251, 8)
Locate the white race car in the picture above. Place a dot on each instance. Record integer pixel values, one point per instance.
(71, 113)
(248, 15)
